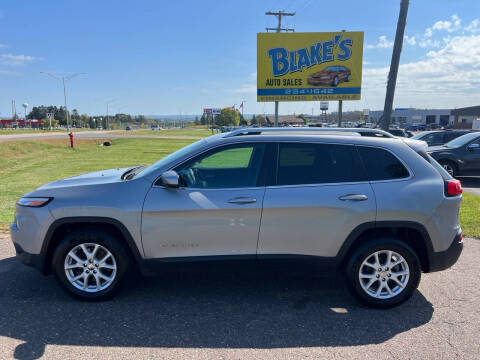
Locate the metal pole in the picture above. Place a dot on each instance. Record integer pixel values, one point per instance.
(65, 98)
(392, 75)
(107, 118)
(340, 105)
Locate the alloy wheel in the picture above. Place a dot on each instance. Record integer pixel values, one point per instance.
(90, 267)
(384, 274)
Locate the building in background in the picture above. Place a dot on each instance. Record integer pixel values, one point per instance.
(412, 116)
(464, 117)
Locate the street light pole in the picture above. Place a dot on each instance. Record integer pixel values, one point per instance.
(63, 80)
(108, 103)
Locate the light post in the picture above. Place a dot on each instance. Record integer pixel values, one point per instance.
(108, 103)
(63, 80)
(25, 106)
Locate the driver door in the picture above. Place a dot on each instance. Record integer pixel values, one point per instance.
(216, 211)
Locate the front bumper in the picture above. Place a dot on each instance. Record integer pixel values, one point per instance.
(35, 260)
(444, 259)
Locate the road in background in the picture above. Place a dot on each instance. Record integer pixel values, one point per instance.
(238, 316)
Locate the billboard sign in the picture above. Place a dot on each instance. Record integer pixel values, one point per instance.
(309, 66)
(212, 111)
(324, 105)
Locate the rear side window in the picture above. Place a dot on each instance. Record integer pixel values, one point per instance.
(307, 163)
(381, 164)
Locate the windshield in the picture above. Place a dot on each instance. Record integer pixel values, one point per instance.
(172, 157)
(462, 140)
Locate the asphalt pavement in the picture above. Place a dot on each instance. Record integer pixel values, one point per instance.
(471, 184)
(228, 315)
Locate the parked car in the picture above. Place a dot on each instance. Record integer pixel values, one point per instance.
(433, 126)
(435, 138)
(331, 75)
(334, 201)
(460, 156)
(128, 128)
(399, 133)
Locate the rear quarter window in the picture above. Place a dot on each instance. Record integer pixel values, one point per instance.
(382, 164)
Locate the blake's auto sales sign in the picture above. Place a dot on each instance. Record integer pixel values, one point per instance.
(309, 66)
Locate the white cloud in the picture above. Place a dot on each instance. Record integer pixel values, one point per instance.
(424, 43)
(246, 88)
(383, 43)
(446, 77)
(2, 46)
(9, 73)
(16, 60)
(410, 40)
(474, 26)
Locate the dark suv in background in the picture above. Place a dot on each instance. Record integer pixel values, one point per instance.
(435, 138)
(460, 156)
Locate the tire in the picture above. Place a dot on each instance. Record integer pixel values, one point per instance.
(104, 279)
(365, 290)
(450, 167)
(348, 78)
(335, 81)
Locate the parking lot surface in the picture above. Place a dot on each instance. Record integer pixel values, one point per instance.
(238, 316)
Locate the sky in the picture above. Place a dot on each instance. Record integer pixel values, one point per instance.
(177, 57)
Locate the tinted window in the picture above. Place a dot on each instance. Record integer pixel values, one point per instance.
(381, 164)
(232, 166)
(449, 136)
(434, 138)
(317, 164)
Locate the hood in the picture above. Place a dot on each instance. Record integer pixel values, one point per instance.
(92, 178)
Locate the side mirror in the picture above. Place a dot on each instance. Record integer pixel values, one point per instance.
(473, 146)
(170, 179)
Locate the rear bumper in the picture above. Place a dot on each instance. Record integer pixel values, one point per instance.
(444, 259)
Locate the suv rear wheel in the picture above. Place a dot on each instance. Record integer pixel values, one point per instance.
(90, 264)
(383, 273)
(450, 167)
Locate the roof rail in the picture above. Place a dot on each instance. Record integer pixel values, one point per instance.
(313, 130)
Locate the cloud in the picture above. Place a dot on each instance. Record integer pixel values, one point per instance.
(246, 88)
(410, 40)
(474, 26)
(16, 60)
(383, 43)
(446, 76)
(2, 46)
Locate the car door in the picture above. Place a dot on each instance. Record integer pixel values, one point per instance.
(216, 211)
(471, 157)
(319, 195)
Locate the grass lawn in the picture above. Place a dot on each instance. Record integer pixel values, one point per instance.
(25, 165)
(34, 131)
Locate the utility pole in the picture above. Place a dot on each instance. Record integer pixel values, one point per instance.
(340, 107)
(392, 75)
(108, 103)
(63, 80)
(278, 29)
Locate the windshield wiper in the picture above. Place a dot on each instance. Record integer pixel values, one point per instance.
(129, 171)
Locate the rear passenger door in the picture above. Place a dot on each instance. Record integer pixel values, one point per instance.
(319, 193)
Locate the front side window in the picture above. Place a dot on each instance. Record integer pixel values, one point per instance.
(232, 166)
(307, 163)
(381, 164)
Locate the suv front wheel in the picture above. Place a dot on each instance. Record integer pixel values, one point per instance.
(90, 264)
(383, 273)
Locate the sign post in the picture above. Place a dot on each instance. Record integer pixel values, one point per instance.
(49, 117)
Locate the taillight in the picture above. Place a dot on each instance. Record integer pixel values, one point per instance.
(453, 187)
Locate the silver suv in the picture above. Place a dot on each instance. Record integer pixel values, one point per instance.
(378, 210)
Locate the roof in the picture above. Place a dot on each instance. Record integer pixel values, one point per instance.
(310, 131)
(467, 111)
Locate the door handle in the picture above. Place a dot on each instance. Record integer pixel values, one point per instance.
(242, 200)
(353, 197)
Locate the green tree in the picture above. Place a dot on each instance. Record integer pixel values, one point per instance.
(254, 120)
(204, 119)
(228, 117)
(197, 121)
(243, 121)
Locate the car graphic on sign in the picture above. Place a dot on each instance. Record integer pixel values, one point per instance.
(331, 75)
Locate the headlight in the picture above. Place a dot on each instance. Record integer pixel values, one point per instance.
(34, 201)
